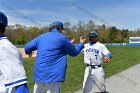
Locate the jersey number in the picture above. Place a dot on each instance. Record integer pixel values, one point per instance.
(96, 56)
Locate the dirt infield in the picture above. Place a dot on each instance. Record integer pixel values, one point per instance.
(24, 55)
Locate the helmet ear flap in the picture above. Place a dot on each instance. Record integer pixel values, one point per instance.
(2, 28)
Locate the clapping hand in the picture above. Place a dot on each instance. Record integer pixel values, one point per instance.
(72, 40)
(82, 40)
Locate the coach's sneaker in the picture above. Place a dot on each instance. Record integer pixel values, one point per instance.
(101, 92)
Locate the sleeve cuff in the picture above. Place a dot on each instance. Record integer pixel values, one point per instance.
(109, 55)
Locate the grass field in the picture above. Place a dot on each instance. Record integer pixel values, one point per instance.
(123, 58)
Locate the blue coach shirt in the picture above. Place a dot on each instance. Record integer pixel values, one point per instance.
(51, 61)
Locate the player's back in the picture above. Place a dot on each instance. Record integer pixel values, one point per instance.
(50, 57)
(11, 63)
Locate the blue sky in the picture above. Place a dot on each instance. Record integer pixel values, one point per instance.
(120, 13)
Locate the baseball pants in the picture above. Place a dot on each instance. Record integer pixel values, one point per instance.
(40, 87)
(94, 77)
(18, 89)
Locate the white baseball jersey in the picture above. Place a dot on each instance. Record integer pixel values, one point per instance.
(93, 53)
(12, 72)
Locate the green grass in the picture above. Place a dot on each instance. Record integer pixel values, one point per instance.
(123, 58)
(29, 63)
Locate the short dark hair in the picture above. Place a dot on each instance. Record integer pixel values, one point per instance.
(56, 27)
(2, 28)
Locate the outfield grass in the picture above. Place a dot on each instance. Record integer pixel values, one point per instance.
(123, 58)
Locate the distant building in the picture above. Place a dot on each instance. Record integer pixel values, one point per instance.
(134, 39)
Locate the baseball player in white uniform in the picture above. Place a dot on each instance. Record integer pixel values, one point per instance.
(94, 54)
(12, 74)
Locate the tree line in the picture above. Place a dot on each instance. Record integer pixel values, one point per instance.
(19, 34)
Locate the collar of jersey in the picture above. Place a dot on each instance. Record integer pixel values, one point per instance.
(2, 37)
(91, 43)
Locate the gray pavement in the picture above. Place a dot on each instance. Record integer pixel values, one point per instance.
(127, 81)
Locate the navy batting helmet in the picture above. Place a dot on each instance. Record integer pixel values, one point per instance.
(3, 19)
(93, 34)
(57, 24)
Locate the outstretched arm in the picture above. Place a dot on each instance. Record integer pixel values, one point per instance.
(31, 46)
(71, 49)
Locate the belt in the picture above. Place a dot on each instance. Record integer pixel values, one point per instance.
(94, 66)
